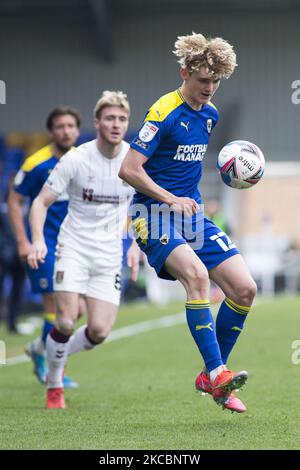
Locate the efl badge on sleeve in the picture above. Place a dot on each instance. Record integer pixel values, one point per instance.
(148, 132)
(209, 125)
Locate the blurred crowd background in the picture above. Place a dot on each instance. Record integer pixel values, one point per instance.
(67, 52)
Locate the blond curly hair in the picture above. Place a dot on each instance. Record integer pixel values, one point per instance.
(216, 55)
(112, 98)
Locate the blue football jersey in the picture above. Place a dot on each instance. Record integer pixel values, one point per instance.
(174, 137)
(30, 180)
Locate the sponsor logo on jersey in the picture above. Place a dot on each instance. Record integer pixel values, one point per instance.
(185, 125)
(141, 144)
(190, 153)
(148, 132)
(89, 195)
(209, 125)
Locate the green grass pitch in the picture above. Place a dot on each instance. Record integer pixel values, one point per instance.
(138, 392)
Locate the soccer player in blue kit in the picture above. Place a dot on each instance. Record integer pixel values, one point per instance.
(63, 125)
(164, 165)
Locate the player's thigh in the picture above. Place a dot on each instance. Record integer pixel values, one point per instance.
(183, 264)
(67, 304)
(167, 250)
(234, 278)
(101, 315)
(82, 306)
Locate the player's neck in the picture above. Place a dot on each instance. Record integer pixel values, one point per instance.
(57, 151)
(107, 149)
(189, 99)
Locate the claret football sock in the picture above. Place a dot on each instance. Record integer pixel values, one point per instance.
(202, 327)
(229, 324)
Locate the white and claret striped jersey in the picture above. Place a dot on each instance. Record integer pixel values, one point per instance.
(98, 198)
(174, 137)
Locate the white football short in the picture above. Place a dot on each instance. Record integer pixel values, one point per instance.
(96, 276)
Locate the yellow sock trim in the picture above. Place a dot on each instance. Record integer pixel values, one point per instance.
(50, 317)
(197, 304)
(242, 309)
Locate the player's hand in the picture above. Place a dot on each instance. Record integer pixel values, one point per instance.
(133, 260)
(38, 254)
(185, 205)
(24, 248)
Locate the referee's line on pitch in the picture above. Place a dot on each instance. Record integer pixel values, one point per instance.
(124, 332)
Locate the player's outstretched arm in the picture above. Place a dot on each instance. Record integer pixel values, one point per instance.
(15, 203)
(133, 173)
(37, 217)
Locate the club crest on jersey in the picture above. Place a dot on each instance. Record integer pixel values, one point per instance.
(164, 239)
(209, 125)
(148, 132)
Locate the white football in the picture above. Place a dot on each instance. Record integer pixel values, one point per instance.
(241, 164)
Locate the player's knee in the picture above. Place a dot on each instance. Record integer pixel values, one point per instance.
(98, 335)
(197, 276)
(247, 293)
(65, 325)
(195, 281)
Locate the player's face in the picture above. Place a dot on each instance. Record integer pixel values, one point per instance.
(112, 124)
(199, 86)
(64, 132)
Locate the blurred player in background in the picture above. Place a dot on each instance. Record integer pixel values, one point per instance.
(63, 126)
(89, 251)
(164, 165)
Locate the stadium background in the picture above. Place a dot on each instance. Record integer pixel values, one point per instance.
(69, 51)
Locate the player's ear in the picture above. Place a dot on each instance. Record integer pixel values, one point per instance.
(184, 73)
(96, 122)
(78, 132)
